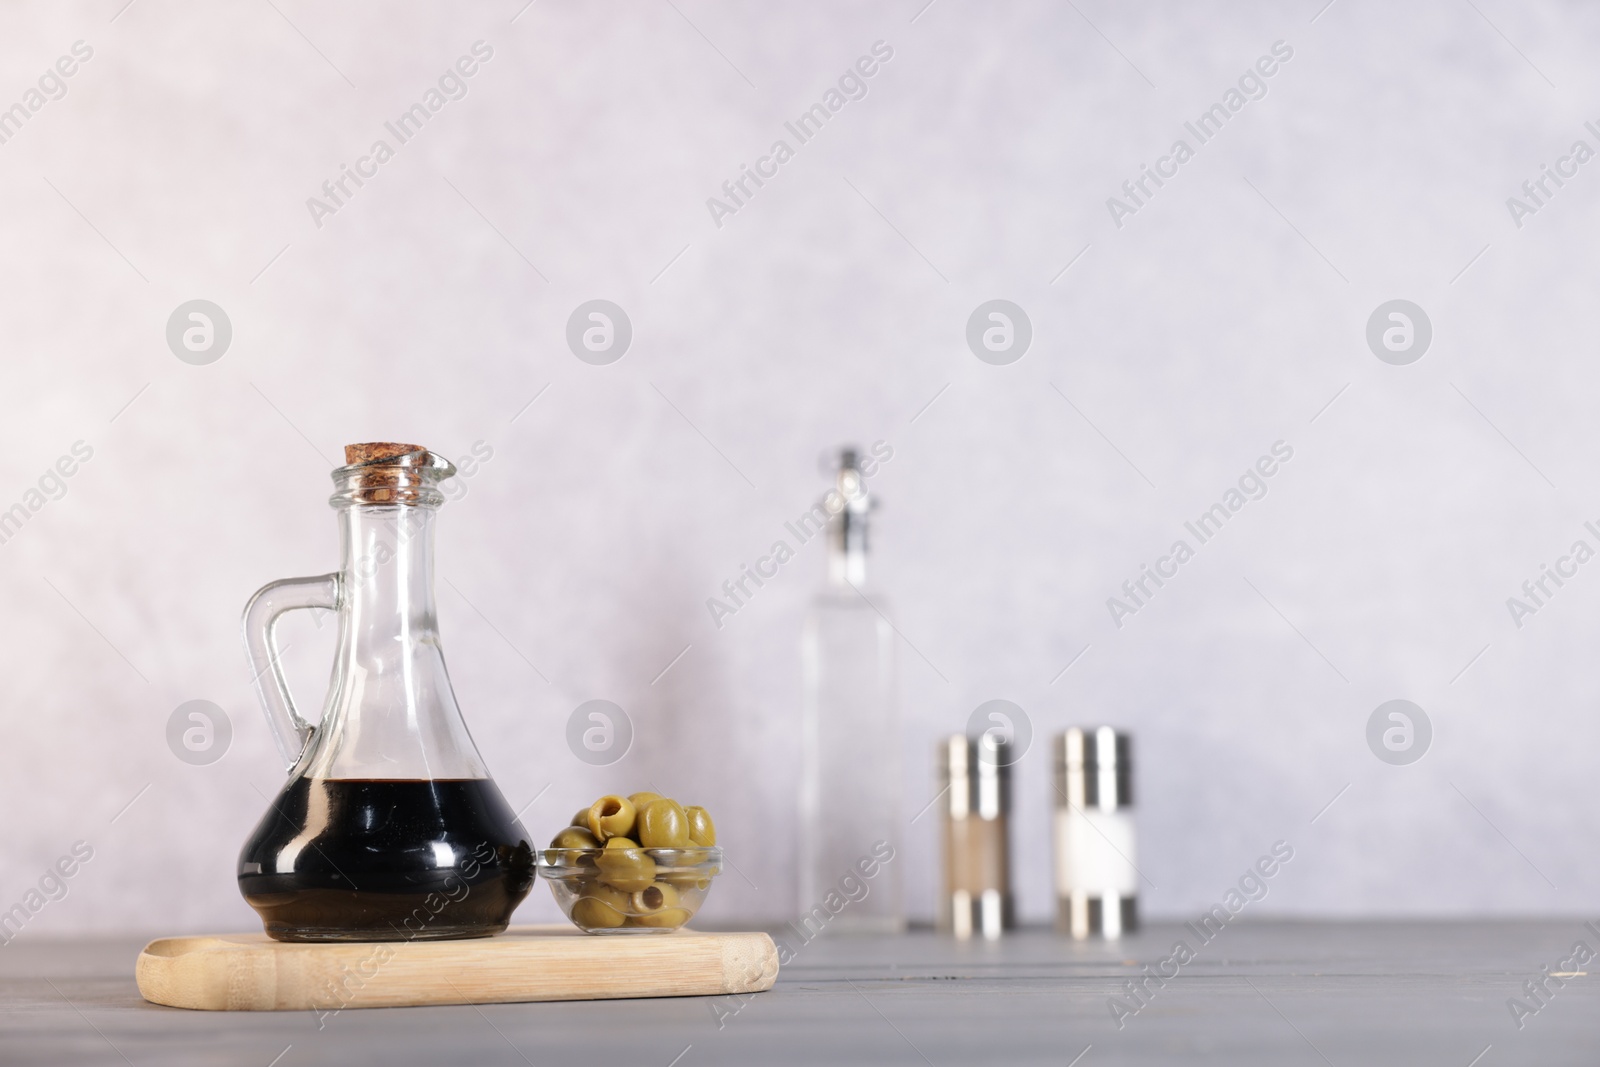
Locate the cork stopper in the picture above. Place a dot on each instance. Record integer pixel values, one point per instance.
(377, 451)
(389, 472)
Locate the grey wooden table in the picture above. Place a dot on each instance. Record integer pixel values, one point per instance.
(1260, 993)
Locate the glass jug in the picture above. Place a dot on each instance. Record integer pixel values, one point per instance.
(389, 827)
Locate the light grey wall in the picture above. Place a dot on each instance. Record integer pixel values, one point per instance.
(1227, 314)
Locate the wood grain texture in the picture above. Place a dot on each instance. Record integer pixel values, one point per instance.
(251, 972)
(1262, 994)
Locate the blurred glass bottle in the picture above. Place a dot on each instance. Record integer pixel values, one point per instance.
(850, 772)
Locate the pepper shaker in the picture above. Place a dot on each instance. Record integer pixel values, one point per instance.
(975, 774)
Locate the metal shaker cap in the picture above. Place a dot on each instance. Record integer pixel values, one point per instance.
(1094, 768)
(976, 775)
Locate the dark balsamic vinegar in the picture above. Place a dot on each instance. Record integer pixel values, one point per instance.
(382, 860)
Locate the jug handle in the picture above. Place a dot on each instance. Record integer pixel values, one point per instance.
(261, 616)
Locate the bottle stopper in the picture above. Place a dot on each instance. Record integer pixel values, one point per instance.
(389, 472)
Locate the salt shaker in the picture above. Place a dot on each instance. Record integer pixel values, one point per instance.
(1096, 880)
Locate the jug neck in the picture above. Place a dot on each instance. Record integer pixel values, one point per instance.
(387, 570)
(391, 712)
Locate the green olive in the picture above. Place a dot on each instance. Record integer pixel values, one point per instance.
(687, 880)
(702, 831)
(663, 824)
(688, 868)
(668, 918)
(611, 816)
(616, 898)
(574, 837)
(641, 799)
(600, 907)
(625, 866)
(652, 899)
(581, 819)
(691, 856)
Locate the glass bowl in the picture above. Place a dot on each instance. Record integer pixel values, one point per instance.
(629, 891)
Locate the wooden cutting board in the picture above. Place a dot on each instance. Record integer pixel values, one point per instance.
(251, 972)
